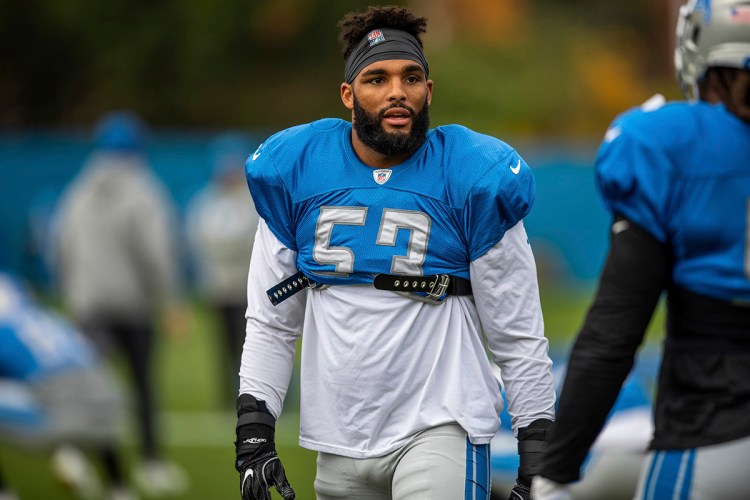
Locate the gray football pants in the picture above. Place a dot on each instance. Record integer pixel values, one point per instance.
(437, 464)
(720, 472)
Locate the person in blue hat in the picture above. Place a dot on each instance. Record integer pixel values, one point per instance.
(121, 131)
(119, 270)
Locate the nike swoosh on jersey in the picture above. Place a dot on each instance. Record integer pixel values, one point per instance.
(517, 168)
(257, 153)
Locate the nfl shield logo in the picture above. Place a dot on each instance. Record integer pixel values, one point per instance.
(381, 176)
(375, 37)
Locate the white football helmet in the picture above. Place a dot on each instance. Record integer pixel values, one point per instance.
(711, 33)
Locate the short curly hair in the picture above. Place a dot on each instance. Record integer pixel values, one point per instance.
(355, 25)
(732, 87)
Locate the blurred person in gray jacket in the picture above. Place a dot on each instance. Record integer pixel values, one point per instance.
(220, 227)
(119, 271)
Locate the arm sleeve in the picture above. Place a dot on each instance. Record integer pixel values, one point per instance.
(507, 298)
(272, 332)
(634, 275)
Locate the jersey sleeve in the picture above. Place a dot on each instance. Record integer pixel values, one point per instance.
(633, 176)
(270, 193)
(501, 198)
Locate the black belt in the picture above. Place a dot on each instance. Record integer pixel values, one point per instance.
(293, 284)
(435, 285)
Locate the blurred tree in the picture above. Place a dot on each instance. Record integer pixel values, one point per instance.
(519, 66)
(653, 21)
(36, 54)
(198, 63)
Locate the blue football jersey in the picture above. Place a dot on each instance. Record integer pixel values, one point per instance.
(682, 172)
(444, 207)
(35, 343)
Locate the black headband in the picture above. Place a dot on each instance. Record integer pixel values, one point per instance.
(382, 45)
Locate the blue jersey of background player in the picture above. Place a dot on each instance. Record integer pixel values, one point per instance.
(445, 206)
(55, 394)
(34, 343)
(680, 172)
(676, 178)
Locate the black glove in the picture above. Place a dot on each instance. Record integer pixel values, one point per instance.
(532, 442)
(520, 492)
(257, 462)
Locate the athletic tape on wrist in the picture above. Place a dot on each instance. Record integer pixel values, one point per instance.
(256, 417)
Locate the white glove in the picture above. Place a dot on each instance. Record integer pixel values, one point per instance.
(545, 489)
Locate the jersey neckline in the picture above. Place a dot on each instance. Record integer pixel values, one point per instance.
(367, 170)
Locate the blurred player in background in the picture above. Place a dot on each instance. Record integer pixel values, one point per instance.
(56, 395)
(221, 224)
(398, 395)
(676, 178)
(119, 270)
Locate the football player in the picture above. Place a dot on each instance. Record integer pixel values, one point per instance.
(55, 395)
(119, 273)
(410, 246)
(676, 178)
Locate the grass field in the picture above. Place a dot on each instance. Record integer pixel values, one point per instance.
(198, 427)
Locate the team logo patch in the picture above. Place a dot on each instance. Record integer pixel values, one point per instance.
(381, 176)
(375, 37)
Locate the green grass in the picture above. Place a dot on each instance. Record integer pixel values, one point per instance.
(198, 426)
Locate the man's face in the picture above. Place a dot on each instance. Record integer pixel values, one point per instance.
(390, 106)
(371, 131)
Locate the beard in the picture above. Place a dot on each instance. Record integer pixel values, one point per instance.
(370, 130)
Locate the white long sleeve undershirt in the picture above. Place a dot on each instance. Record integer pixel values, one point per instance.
(378, 367)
